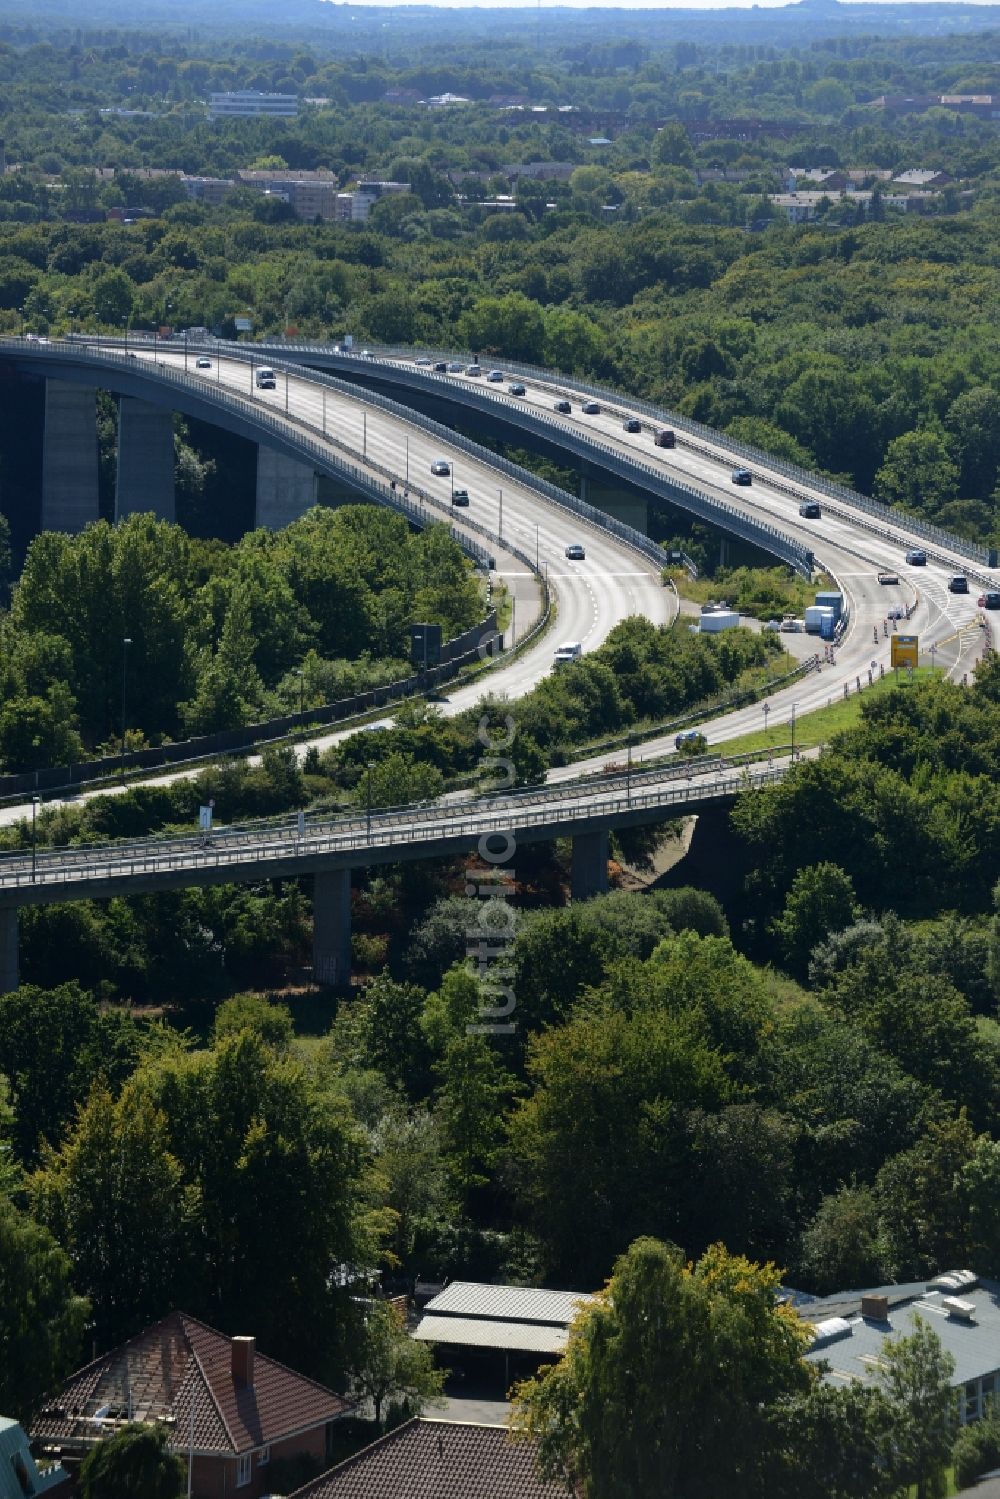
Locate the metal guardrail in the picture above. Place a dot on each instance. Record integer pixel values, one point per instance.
(799, 476)
(242, 850)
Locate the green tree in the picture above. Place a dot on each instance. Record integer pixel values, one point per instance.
(252, 1012)
(114, 1195)
(512, 324)
(135, 1463)
(473, 1098)
(820, 902)
(915, 1374)
(391, 1368)
(114, 297)
(918, 473)
(842, 1244)
(667, 1358)
(42, 1320)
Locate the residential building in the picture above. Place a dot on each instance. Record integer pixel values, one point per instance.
(923, 178)
(209, 190)
(445, 101)
(802, 207)
(851, 1329)
(249, 104)
(367, 194)
(541, 171)
(19, 1473)
(438, 1460)
(312, 194)
(229, 1409)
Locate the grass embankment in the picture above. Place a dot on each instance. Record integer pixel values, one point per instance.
(820, 726)
(758, 592)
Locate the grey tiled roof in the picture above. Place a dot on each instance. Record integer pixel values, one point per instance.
(437, 1460)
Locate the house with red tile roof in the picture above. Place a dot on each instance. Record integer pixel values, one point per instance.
(435, 1459)
(230, 1410)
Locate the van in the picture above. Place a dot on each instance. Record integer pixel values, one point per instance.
(810, 510)
(264, 379)
(665, 438)
(572, 650)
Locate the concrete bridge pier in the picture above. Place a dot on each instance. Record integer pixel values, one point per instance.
(145, 460)
(589, 870)
(332, 928)
(286, 489)
(69, 457)
(614, 497)
(9, 972)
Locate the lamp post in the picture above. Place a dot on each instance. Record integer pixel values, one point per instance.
(368, 799)
(126, 642)
(35, 804)
(324, 410)
(286, 392)
(364, 434)
(500, 519)
(792, 723)
(765, 709)
(407, 440)
(628, 773)
(452, 472)
(536, 546)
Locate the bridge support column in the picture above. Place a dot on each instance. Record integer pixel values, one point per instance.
(614, 497)
(332, 928)
(145, 460)
(9, 974)
(589, 872)
(69, 457)
(286, 489)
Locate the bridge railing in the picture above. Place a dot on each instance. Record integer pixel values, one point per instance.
(261, 837)
(799, 476)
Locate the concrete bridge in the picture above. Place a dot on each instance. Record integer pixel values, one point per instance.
(329, 848)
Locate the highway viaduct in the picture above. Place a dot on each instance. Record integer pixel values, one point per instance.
(490, 828)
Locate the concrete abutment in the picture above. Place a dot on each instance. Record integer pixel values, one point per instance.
(332, 928)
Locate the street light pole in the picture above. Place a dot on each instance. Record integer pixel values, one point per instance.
(628, 773)
(126, 642)
(35, 803)
(324, 410)
(536, 546)
(364, 434)
(368, 801)
(407, 441)
(286, 392)
(792, 722)
(500, 521)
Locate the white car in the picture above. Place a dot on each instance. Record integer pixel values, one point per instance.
(203, 364)
(441, 467)
(575, 552)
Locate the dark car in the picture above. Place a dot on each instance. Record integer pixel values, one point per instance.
(665, 438)
(693, 742)
(441, 367)
(989, 601)
(917, 558)
(563, 406)
(516, 389)
(742, 476)
(958, 584)
(460, 497)
(632, 424)
(590, 408)
(810, 510)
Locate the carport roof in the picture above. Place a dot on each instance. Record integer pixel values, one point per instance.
(481, 1332)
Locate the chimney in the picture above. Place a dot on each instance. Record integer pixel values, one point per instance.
(875, 1307)
(243, 1355)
